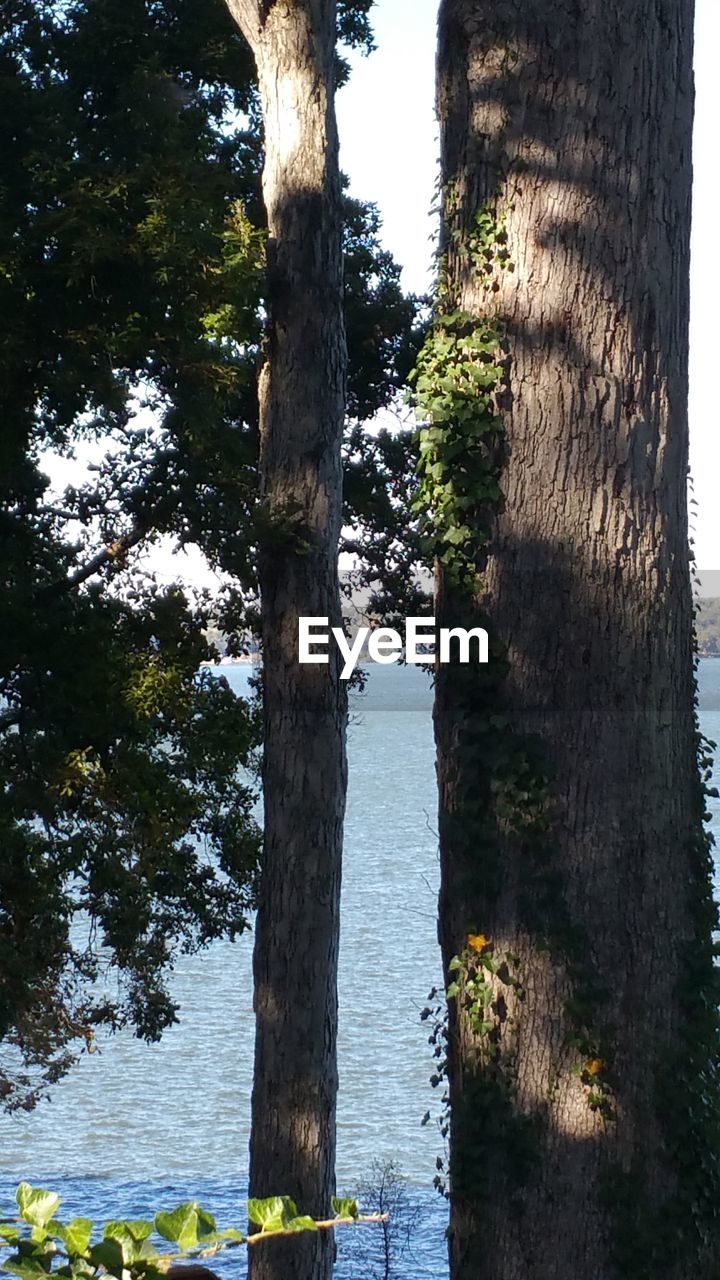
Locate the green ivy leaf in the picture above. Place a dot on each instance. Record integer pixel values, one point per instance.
(186, 1226)
(137, 1229)
(75, 1236)
(344, 1207)
(108, 1254)
(272, 1214)
(301, 1223)
(132, 1236)
(36, 1205)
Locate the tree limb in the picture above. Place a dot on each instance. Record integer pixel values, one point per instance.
(113, 551)
(327, 1224)
(248, 14)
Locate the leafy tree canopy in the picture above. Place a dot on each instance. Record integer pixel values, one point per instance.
(131, 254)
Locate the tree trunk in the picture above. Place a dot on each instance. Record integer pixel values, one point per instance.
(302, 401)
(575, 873)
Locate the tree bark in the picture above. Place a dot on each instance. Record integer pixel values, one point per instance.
(570, 1156)
(302, 403)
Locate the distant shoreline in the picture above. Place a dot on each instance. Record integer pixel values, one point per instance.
(243, 660)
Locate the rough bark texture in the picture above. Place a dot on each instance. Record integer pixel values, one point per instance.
(574, 122)
(302, 397)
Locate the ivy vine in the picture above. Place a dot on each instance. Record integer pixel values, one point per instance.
(41, 1245)
(460, 377)
(456, 380)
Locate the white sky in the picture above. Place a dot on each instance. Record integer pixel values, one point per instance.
(389, 149)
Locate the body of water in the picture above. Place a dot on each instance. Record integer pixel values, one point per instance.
(135, 1127)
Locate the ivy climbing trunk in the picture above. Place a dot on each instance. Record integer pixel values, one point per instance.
(576, 913)
(302, 401)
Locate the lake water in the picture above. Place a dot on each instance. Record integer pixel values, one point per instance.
(136, 1127)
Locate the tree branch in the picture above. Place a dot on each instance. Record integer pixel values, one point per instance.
(248, 15)
(176, 1269)
(114, 551)
(327, 1224)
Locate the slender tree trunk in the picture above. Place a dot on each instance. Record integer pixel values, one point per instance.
(584, 1095)
(302, 390)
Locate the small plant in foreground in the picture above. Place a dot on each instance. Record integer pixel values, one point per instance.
(42, 1245)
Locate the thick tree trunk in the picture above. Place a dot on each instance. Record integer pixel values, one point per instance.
(570, 802)
(302, 404)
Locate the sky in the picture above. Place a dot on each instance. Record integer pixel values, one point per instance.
(389, 150)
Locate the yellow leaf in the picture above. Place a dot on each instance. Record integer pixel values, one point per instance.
(594, 1066)
(477, 942)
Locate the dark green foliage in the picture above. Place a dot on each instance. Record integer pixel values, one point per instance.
(127, 258)
(459, 372)
(379, 483)
(121, 190)
(126, 834)
(498, 1141)
(380, 319)
(385, 333)
(354, 24)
